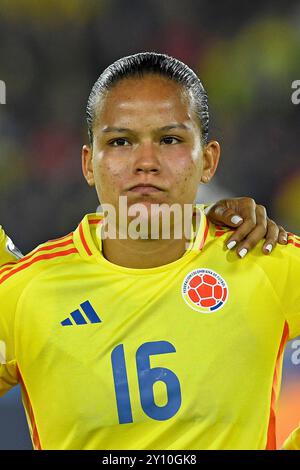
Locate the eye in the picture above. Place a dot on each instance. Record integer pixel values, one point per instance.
(170, 140)
(119, 142)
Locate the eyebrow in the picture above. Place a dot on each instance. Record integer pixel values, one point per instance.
(164, 128)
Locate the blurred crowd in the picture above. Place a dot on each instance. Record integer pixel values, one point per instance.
(51, 53)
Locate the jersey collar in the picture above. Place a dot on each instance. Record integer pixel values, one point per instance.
(87, 236)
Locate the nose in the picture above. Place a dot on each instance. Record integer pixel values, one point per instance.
(146, 159)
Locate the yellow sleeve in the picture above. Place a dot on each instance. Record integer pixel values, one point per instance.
(8, 251)
(293, 441)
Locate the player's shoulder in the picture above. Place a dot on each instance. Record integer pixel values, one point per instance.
(219, 233)
(43, 257)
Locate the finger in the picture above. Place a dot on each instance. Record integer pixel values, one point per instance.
(222, 215)
(244, 230)
(283, 236)
(248, 243)
(271, 237)
(247, 209)
(250, 233)
(240, 234)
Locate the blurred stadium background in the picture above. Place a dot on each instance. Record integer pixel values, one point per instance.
(51, 52)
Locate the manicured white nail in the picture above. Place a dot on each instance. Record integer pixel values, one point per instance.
(243, 252)
(231, 244)
(269, 247)
(236, 219)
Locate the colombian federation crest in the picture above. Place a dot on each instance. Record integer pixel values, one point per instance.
(204, 290)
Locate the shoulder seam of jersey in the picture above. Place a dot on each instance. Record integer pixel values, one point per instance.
(47, 246)
(30, 259)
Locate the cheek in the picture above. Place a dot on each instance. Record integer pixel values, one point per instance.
(109, 176)
(187, 169)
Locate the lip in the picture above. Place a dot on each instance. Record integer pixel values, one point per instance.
(144, 188)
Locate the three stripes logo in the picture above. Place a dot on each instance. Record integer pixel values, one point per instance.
(77, 317)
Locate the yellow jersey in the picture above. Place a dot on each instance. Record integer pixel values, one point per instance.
(186, 355)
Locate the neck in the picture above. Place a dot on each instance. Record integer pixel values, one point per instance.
(142, 254)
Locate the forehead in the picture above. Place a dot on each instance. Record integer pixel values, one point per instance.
(146, 99)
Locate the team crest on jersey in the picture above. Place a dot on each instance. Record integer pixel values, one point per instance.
(11, 248)
(204, 290)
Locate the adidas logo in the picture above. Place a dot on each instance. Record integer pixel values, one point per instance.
(79, 319)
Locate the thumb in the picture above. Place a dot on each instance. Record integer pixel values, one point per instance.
(220, 214)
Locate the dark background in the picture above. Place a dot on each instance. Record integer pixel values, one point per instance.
(51, 52)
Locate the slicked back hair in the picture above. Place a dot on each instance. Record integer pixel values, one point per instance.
(137, 66)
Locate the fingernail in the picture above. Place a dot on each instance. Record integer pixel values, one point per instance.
(284, 238)
(236, 219)
(243, 252)
(231, 244)
(269, 247)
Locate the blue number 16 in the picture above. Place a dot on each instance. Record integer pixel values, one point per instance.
(147, 378)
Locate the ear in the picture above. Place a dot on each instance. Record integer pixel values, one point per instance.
(211, 156)
(87, 164)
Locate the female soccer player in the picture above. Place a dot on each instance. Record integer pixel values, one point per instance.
(148, 342)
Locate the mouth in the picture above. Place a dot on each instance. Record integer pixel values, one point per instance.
(145, 188)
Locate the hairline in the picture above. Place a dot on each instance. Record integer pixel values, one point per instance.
(139, 75)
